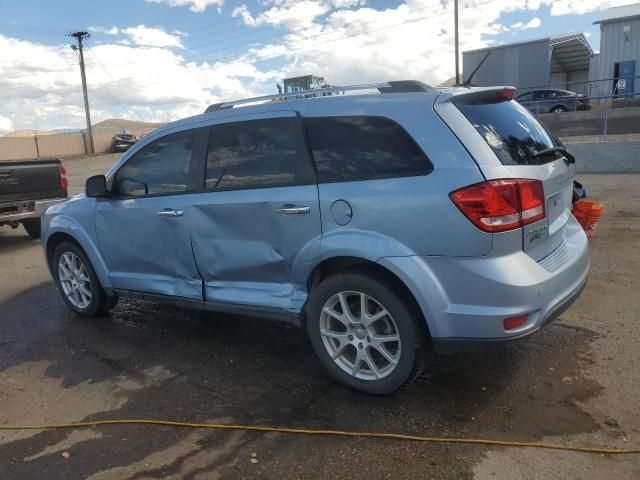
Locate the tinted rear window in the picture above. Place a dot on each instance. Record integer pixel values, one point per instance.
(363, 147)
(511, 131)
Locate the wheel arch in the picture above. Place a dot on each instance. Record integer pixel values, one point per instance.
(352, 264)
(60, 230)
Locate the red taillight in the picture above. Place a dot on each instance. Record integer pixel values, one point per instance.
(505, 94)
(514, 322)
(531, 200)
(64, 183)
(500, 205)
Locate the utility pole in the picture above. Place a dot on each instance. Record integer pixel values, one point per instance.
(455, 20)
(81, 36)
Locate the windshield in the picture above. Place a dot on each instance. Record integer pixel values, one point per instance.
(511, 131)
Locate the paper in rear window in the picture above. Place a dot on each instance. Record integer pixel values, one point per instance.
(511, 131)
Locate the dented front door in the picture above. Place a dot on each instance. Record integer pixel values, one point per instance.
(255, 231)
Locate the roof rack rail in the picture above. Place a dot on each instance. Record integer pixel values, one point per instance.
(400, 86)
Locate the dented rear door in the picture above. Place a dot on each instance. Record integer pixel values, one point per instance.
(255, 230)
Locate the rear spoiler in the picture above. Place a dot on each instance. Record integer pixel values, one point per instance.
(478, 95)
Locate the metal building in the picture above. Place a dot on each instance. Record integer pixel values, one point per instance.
(619, 57)
(561, 61)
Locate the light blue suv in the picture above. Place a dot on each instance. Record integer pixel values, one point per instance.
(385, 221)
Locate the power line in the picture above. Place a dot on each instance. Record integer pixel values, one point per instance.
(125, 108)
(356, 34)
(313, 38)
(284, 34)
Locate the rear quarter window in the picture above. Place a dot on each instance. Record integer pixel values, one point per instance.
(511, 131)
(363, 147)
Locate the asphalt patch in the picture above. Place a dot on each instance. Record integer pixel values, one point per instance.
(180, 364)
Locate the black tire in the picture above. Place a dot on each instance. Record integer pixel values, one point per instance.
(405, 315)
(32, 227)
(99, 303)
(558, 109)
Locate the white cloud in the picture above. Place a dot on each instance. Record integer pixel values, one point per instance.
(533, 23)
(152, 37)
(40, 85)
(144, 73)
(244, 13)
(294, 14)
(107, 31)
(6, 125)
(198, 6)
(579, 7)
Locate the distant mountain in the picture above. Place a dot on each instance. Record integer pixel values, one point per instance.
(61, 130)
(111, 124)
(122, 124)
(450, 82)
(21, 133)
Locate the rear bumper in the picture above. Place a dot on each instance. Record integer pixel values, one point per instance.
(28, 209)
(465, 300)
(455, 345)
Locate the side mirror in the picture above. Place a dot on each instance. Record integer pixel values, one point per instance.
(96, 187)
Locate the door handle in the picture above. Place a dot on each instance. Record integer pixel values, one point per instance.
(293, 210)
(170, 213)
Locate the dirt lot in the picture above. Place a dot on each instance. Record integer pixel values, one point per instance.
(576, 382)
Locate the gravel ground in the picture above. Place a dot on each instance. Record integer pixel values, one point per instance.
(575, 382)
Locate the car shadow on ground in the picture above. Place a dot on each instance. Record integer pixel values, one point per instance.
(245, 370)
(14, 243)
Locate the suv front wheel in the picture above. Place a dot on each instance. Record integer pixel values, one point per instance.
(365, 333)
(78, 283)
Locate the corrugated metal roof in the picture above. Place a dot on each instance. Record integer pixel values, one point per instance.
(507, 45)
(616, 14)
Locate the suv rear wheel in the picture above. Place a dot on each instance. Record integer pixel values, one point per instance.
(364, 333)
(78, 283)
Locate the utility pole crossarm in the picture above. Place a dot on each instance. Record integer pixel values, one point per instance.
(81, 36)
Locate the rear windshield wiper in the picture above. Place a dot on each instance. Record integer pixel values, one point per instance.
(548, 151)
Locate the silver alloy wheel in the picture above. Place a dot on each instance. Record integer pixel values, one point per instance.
(360, 335)
(74, 279)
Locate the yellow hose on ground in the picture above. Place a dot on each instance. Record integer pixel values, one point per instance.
(341, 433)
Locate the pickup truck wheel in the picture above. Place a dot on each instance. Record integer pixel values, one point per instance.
(365, 333)
(77, 281)
(32, 227)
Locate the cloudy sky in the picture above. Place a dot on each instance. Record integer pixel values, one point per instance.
(160, 60)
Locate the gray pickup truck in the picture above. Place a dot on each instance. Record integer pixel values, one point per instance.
(27, 189)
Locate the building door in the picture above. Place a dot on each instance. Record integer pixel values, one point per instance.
(624, 73)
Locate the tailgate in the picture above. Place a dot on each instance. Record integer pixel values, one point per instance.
(30, 180)
(505, 140)
(541, 238)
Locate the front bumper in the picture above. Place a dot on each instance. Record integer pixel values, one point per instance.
(28, 210)
(465, 300)
(122, 147)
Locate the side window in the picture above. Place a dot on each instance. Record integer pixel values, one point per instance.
(257, 154)
(525, 97)
(360, 148)
(162, 167)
